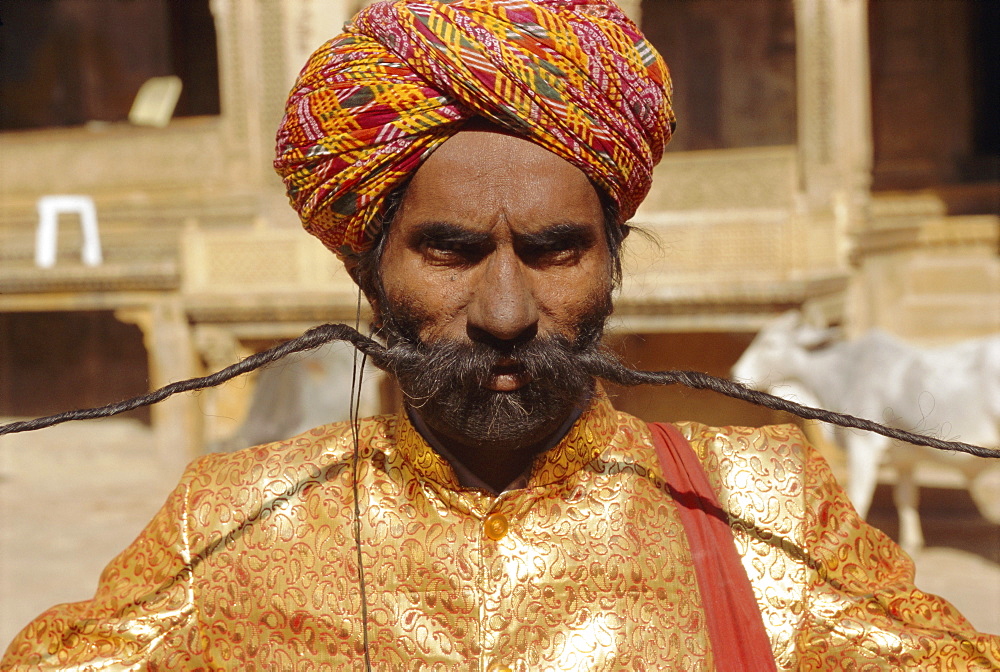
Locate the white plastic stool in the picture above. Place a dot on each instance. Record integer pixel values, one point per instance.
(49, 209)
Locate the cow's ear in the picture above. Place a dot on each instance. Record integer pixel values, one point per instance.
(817, 339)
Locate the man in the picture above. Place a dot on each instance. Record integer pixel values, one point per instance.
(474, 163)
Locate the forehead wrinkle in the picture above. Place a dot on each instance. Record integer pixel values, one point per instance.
(499, 161)
(499, 184)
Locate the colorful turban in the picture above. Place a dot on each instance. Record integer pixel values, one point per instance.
(574, 76)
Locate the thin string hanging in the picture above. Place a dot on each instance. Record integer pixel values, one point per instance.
(354, 411)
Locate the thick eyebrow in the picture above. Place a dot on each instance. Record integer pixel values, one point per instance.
(446, 232)
(562, 235)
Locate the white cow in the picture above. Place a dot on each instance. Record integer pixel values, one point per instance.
(950, 392)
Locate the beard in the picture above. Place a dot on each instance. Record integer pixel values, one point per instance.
(445, 381)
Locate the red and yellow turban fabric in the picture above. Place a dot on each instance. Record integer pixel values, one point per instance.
(574, 76)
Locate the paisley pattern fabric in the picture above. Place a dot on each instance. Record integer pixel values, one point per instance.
(252, 564)
(575, 76)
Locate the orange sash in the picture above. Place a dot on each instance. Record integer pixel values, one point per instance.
(735, 627)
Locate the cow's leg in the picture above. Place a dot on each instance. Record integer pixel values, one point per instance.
(864, 453)
(907, 497)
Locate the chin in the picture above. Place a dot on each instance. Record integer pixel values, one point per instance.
(502, 421)
(500, 439)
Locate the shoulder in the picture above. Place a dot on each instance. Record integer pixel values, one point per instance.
(754, 463)
(275, 469)
(714, 444)
(723, 448)
(771, 457)
(767, 479)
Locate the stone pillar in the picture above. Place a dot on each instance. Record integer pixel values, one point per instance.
(834, 120)
(239, 87)
(222, 406)
(310, 23)
(176, 420)
(835, 130)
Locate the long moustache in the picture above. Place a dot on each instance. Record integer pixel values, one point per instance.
(595, 363)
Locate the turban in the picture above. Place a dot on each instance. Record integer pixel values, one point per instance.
(573, 76)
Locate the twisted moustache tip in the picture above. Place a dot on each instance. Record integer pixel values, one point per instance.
(598, 362)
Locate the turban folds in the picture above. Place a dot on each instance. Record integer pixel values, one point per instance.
(574, 76)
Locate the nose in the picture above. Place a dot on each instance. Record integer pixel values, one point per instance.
(504, 308)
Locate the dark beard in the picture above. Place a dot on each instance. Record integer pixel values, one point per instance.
(444, 381)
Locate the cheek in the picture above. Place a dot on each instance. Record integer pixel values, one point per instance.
(565, 301)
(437, 299)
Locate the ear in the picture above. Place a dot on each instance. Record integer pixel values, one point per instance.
(791, 329)
(789, 322)
(812, 339)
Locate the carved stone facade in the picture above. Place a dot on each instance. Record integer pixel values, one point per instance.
(762, 204)
(729, 59)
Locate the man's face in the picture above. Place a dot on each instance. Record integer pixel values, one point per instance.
(498, 247)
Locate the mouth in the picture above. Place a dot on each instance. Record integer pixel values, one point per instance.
(507, 375)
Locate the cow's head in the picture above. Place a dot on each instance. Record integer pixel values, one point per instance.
(775, 357)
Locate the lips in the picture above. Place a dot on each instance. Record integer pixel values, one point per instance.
(507, 375)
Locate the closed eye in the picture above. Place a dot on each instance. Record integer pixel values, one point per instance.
(559, 244)
(444, 243)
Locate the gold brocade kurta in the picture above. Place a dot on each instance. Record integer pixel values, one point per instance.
(252, 564)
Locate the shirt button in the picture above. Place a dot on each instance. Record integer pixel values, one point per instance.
(495, 526)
